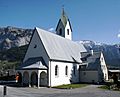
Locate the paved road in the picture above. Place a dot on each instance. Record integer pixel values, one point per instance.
(89, 91)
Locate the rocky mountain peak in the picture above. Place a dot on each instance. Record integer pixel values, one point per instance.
(14, 37)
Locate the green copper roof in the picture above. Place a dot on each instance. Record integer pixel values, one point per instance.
(64, 18)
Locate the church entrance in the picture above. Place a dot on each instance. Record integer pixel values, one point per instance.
(34, 79)
(43, 79)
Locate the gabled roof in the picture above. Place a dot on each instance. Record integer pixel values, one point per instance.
(34, 63)
(94, 65)
(59, 48)
(93, 61)
(89, 55)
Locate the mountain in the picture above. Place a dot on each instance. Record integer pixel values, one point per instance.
(11, 58)
(111, 52)
(14, 37)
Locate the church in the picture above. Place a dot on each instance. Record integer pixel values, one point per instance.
(53, 59)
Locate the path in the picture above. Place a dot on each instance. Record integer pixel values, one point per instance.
(89, 91)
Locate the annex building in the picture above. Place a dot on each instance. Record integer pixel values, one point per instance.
(54, 59)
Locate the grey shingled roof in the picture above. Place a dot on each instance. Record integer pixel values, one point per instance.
(94, 63)
(87, 55)
(34, 63)
(59, 48)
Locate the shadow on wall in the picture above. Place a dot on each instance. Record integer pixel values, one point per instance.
(74, 75)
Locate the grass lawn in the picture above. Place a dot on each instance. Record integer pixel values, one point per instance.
(112, 87)
(104, 87)
(70, 86)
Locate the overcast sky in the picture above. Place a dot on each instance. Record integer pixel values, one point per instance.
(97, 20)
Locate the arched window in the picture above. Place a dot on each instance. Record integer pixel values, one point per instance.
(67, 31)
(56, 70)
(66, 70)
(74, 70)
(60, 31)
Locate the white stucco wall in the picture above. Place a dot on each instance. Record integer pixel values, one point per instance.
(104, 67)
(61, 78)
(70, 32)
(39, 51)
(88, 76)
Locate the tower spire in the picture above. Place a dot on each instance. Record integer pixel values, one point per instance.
(64, 27)
(63, 12)
(64, 17)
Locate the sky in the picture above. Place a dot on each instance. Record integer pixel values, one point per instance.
(96, 20)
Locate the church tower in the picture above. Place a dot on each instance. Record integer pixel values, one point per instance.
(64, 27)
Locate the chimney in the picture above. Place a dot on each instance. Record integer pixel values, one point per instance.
(91, 51)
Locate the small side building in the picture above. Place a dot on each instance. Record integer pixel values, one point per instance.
(94, 68)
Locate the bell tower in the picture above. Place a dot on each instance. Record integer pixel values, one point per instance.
(64, 27)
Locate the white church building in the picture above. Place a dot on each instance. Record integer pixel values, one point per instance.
(54, 59)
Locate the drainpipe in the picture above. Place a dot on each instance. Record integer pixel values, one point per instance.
(50, 73)
(79, 71)
(38, 78)
(22, 78)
